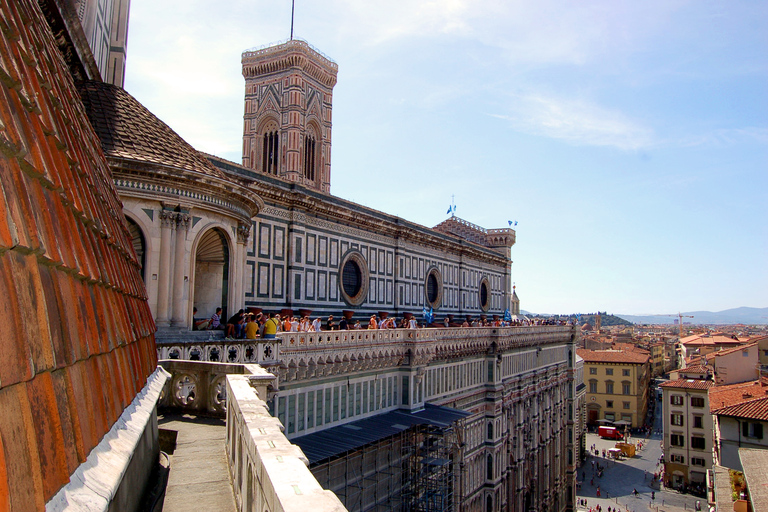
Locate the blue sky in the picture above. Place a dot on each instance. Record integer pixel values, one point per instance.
(629, 140)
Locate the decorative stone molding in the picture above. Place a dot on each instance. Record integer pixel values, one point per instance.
(182, 220)
(243, 233)
(168, 218)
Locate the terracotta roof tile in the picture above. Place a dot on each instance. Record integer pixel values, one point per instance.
(753, 409)
(709, 339)
(612, 356)
(72, 357)
(50, 439)
(63, 406)
(688, 384)
(733, 394)
(726, 351)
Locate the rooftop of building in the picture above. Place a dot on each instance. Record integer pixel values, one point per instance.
(612, 356)
(735, 399)
(727, 351)
(128, 130)
(696, 368)
(688, 384)
(755, 465)
(714, 338)
(335, 441)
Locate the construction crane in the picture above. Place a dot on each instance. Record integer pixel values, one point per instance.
(680, 317)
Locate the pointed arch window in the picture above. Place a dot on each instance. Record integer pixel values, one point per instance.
(270, 152)
(310, 158)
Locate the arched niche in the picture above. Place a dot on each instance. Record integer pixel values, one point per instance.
(139, 242)
(212, 259)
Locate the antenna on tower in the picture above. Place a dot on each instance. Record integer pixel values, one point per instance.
(293, 6)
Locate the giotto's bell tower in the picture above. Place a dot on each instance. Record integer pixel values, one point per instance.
(287, 121)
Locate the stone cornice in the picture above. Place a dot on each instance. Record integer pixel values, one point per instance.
(291, 54)
(152, 182)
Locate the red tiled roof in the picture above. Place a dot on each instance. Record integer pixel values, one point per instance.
(697, 368)
(709, 339)
(77, 333)
(731, 350)
(688, 384)
(612, 356)
(734, 394)
(754, 409)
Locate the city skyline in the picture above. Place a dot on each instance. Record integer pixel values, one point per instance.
(631, 139)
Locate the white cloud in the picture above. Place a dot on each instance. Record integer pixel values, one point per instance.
(577, 122)
(541, 31)
(728, 137)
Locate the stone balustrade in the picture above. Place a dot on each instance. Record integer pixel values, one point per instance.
(259, 351)
(268, 472)
(295, 355)
(199, 387)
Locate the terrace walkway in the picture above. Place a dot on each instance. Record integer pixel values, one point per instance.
(199, 476)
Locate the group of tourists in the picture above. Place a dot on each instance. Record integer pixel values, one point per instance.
(249, 325)
(239, 325)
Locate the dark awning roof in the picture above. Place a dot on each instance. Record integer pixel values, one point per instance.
(351, 436)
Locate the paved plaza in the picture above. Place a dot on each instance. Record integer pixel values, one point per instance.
(621, 478)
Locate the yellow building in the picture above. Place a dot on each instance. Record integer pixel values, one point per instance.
(657, 358)
(617, 383)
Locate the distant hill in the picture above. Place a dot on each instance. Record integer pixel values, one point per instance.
(589, 318)
(743, 315)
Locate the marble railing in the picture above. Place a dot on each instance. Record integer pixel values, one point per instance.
(199, 387)
(355, 350)
(268, 472)
(439, 342)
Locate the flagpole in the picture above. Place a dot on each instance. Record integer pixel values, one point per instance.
(293, 6)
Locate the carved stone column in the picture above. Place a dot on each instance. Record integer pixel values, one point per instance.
(243, 233)
(167, 223)
(179, 306)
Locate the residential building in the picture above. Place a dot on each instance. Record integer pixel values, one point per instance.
(687, 431)
(706, 343)
(734, 365)
(617, 385)
(657, 358)
(762, 353)
(740, 420)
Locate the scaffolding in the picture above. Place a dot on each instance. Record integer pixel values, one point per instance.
(429, 482)
(399, 462)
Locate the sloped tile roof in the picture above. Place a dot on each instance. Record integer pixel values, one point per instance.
(77, 336)
(613, 356)
(726, 351)
(709, 339)
(129, 131)
(688, 384)
(754, 409)
(722, 397)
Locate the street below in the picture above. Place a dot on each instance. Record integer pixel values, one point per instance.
(620, 478)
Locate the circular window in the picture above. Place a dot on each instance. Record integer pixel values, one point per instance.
(354, 278)
(485, 294)
(433, 288)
